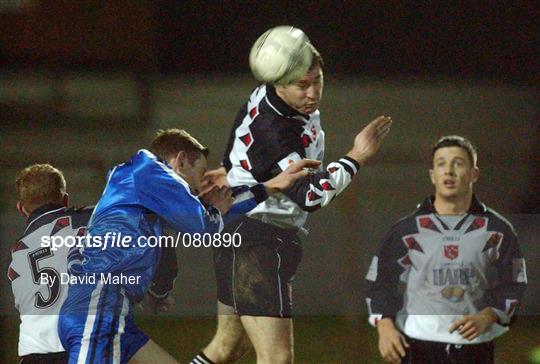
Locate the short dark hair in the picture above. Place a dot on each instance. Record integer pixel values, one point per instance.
(168, 143)
(456, 141)
(317, 58)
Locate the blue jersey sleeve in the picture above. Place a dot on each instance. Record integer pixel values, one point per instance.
(245, 199)
(162, 191)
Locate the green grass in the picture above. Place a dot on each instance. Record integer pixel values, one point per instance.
(321, 339)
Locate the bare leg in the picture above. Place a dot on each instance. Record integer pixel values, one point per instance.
(272, 338)
(230, 341)
(152, 353)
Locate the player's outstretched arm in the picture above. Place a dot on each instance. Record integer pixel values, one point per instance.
(293, 172)
(319, 189)
(368, 141)
(280, 183)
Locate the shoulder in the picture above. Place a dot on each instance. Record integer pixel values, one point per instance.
(406, 225)
(144, 156)
(80, 210)
(498, 222)
(81, 213)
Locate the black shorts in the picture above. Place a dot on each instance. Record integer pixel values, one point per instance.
(256, 277)
(50, 358)
(426, 352)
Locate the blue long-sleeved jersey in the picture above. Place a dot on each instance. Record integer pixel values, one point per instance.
(141, 197)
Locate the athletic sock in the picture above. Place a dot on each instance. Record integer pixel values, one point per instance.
(201, 359)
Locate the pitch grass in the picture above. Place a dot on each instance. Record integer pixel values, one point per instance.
(320, 339)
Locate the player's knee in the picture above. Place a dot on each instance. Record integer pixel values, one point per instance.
(275, 356)
(227, 349)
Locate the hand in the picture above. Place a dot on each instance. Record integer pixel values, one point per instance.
(157, 305)
(219, 197)
(368, 141)
(294, 171)
(215, 177)
(472, 326)
(392, 343)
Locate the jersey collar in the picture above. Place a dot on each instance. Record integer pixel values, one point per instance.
(42, 210)
(476, 207)
(281, 105)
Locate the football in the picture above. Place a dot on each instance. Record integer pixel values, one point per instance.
(281, 55)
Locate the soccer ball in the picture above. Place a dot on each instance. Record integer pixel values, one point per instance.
(281, 55)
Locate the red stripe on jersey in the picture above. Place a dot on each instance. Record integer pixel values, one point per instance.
(60, 224)
(12, 275)
(18, 246)
(253, 112)
(493, 241)
(245, 164)
(306, 141)
(327, 186)
(246, 139)
(412, 244)
(427, 223)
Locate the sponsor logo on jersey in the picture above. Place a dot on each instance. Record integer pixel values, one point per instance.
(451, 238)
(449, 276)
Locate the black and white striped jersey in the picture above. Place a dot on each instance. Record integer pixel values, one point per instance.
(39, 304)
(268, 135)
(448, 271)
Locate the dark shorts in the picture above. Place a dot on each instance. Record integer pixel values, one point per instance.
(426, 352)
(49, 358)
(256, 277)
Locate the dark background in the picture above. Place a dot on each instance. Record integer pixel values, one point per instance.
(85, 84)
(458, 39)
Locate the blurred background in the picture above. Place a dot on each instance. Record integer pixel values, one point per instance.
(84, 85)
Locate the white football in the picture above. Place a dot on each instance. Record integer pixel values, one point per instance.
(281, 55)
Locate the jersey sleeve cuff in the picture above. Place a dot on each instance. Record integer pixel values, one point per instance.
(226, 164)
(259, 192)
(157, 295)
(349, 164)
(503, 318)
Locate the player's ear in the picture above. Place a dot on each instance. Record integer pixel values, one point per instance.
(475, 174)
(431, 176)
(279, 90)
(21, 209)
(181, 159)
(65, 200)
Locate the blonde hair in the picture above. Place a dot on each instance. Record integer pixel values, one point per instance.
(40, 184)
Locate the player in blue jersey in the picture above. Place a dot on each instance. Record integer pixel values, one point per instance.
(155, 188)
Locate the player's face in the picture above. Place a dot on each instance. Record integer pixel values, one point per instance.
(305, 94)
(453, 174)
(194, 173)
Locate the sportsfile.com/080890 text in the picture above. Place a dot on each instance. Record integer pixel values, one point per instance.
(118, 240)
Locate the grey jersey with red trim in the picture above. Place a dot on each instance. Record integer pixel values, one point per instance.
(266, 137)
(447, 272)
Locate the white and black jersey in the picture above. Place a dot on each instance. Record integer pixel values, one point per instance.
(450, 267)
(39, 304)
(266, 137)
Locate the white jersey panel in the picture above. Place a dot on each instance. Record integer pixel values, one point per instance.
(39, 304)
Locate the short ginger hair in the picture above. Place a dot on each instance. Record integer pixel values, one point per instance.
(40, 184)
